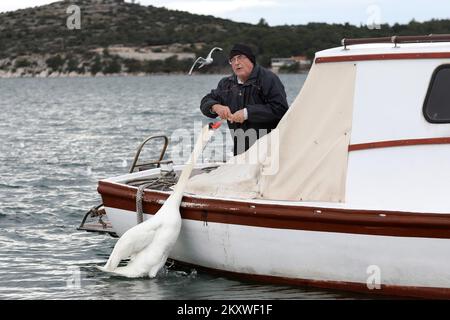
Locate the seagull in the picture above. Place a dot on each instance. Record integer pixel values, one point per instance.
(149, 244)
(204, 62)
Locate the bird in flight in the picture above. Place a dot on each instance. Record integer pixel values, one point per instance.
(204, 62)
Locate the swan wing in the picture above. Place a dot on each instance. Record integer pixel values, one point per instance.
(133, 241)
(193, 65)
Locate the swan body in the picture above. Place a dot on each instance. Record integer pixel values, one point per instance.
(204, 61)
(149, 243)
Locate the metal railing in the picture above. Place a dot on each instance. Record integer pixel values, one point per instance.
(398, 39)
(151, 163)
(99, 212)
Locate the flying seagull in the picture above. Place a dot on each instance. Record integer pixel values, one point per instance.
(204, 62)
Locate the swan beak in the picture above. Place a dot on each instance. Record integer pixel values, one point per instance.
(215, 125)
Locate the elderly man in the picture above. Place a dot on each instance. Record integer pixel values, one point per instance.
(253, 100)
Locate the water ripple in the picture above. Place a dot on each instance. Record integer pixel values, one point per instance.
(60, 137)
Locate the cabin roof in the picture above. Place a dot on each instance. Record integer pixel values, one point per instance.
(385, 48)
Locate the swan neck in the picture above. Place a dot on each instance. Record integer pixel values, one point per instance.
(187, 170)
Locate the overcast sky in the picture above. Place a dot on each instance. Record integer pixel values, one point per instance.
(279, 12)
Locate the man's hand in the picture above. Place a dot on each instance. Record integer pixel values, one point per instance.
(222, 111)
(238, 116)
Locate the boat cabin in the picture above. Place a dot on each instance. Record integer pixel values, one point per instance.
(357, 179)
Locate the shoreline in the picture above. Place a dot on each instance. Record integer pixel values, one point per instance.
(10, 75)
(56, 75)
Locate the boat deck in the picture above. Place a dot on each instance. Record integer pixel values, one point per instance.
(164, 182)
(96, 219)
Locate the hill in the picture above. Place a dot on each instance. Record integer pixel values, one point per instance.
(120, 37)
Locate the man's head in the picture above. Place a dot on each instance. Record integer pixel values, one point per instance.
(242, 61)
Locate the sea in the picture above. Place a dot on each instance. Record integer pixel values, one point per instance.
(58, 138)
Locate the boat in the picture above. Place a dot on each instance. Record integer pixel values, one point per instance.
(361, 202)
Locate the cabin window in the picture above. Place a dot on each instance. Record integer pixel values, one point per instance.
(436, 108)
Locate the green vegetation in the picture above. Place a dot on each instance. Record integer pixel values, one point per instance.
(72, 64)
(42, 31)
(22, 63)
(112, 66)
(55, 63)
(133, 66)
(96, 65)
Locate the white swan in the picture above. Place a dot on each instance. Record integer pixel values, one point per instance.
(203, 62)
(149, 243)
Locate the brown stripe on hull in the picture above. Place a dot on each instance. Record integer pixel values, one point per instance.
(392, 56)
(386, 290)
(398, 143)
(369, 222)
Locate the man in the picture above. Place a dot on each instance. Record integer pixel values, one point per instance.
(253, 100)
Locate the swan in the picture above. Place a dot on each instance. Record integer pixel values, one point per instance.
(148, 244)
(204, 62)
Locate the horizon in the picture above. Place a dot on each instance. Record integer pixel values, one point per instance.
(292, 12)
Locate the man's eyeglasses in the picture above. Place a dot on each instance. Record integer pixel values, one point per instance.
(237, 58)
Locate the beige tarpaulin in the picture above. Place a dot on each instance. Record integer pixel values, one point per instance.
(306, 157)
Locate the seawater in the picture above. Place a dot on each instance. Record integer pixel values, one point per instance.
(58, 137)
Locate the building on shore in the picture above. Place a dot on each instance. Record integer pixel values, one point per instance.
(294, 63)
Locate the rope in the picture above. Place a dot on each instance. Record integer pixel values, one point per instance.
(163, 182)
(139, 202)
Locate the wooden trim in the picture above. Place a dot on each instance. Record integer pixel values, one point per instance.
(385, 290)
(391, 56)
(398, 143)
(398, 39)
(369, 222)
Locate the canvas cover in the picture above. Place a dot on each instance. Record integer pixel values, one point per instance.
(305, 157)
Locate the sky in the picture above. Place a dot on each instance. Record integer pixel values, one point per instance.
(280, 12)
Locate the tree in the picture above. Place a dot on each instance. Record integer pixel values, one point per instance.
(96, 65)
(72, 65)
(55, 63)
(262, 23)
(22, 63)
(113, 66)
(106, 53)
(133, 65)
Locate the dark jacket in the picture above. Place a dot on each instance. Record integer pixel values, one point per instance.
(262, 94)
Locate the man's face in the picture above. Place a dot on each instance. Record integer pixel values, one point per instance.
(242, 66)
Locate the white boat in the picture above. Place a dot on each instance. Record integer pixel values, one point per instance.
(374, 214)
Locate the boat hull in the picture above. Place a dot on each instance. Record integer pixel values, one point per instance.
(391, 253)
